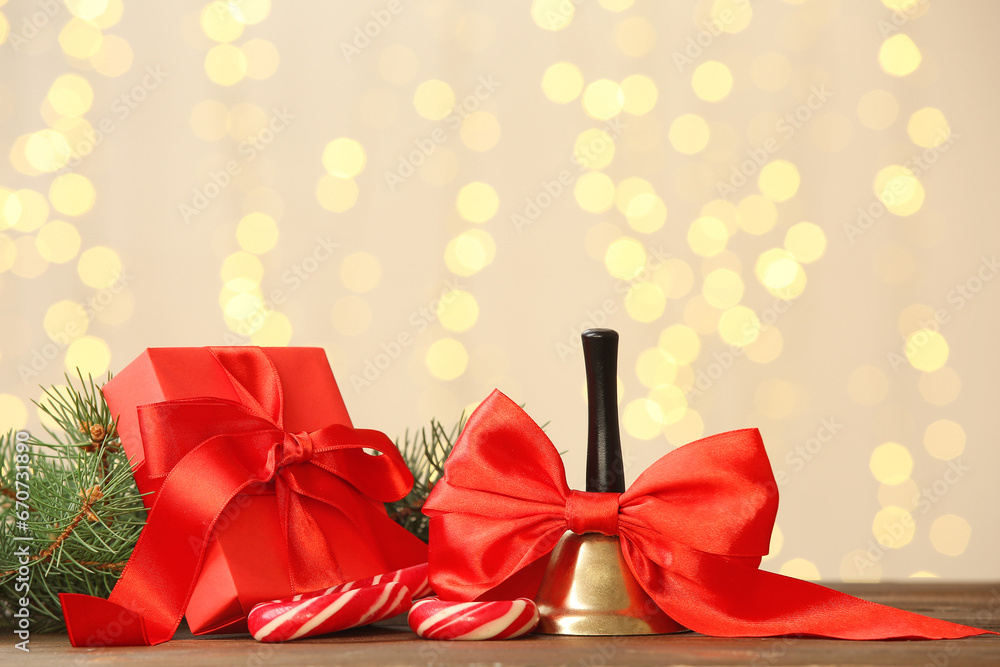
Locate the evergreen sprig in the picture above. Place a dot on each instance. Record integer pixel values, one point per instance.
(84, 512)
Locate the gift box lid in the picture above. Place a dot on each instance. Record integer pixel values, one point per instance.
(312, 398)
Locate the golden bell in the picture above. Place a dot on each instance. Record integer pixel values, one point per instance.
(589, 590)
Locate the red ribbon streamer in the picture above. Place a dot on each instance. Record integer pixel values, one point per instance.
(693, 528)
(211, 450)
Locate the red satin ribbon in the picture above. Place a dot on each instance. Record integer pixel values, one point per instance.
(693, 528)
(210, 450)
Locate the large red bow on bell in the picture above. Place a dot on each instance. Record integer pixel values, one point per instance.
(209, 450)
(693, 528)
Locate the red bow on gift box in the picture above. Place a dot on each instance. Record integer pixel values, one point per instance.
(208, 450)
(693, 528)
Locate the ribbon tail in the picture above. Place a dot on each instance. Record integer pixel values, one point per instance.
(721, 597)
(149, 600)
(312, 563)
(92, 622)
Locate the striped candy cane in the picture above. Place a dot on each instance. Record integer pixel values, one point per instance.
(433, 618)
(327, 612)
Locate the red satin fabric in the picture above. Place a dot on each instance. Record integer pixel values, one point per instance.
(693, 528)
(209, 450)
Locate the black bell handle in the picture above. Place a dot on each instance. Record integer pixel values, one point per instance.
(605, 472)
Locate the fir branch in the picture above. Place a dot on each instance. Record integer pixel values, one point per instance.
(424, 452)
(84, 511)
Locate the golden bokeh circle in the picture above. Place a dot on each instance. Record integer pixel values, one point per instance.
(257, 233)
(891, 463)
(552, 15)
(72, 194)
(950, 534)
(639, 94)
(447, 359)
(898, 55)
(89, 354)
(689, 134)
(944, 439)
(477, 202)
(470, 252)
(712, 81)
(603, 99)
(594, 191)
(562, 82)
(625, 258)
(805, 242)
(434, 99)
(99, 267)
(58, 241)
(344, 158)
(928, 127)
(225, 64)
(779, 180)
(926, 350)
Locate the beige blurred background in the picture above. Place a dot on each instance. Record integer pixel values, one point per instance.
(786, 209)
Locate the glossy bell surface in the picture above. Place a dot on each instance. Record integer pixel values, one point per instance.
(589, 590)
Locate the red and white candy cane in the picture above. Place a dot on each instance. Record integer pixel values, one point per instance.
(324, 613)
(433, 618)
(414, 578)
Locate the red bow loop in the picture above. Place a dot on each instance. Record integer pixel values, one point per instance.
(592, 512)
(692, 527)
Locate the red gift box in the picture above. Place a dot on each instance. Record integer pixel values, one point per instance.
(284, 407)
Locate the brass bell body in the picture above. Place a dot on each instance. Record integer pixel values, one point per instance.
(589, 590)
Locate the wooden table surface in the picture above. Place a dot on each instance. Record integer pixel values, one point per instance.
(971, 604)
